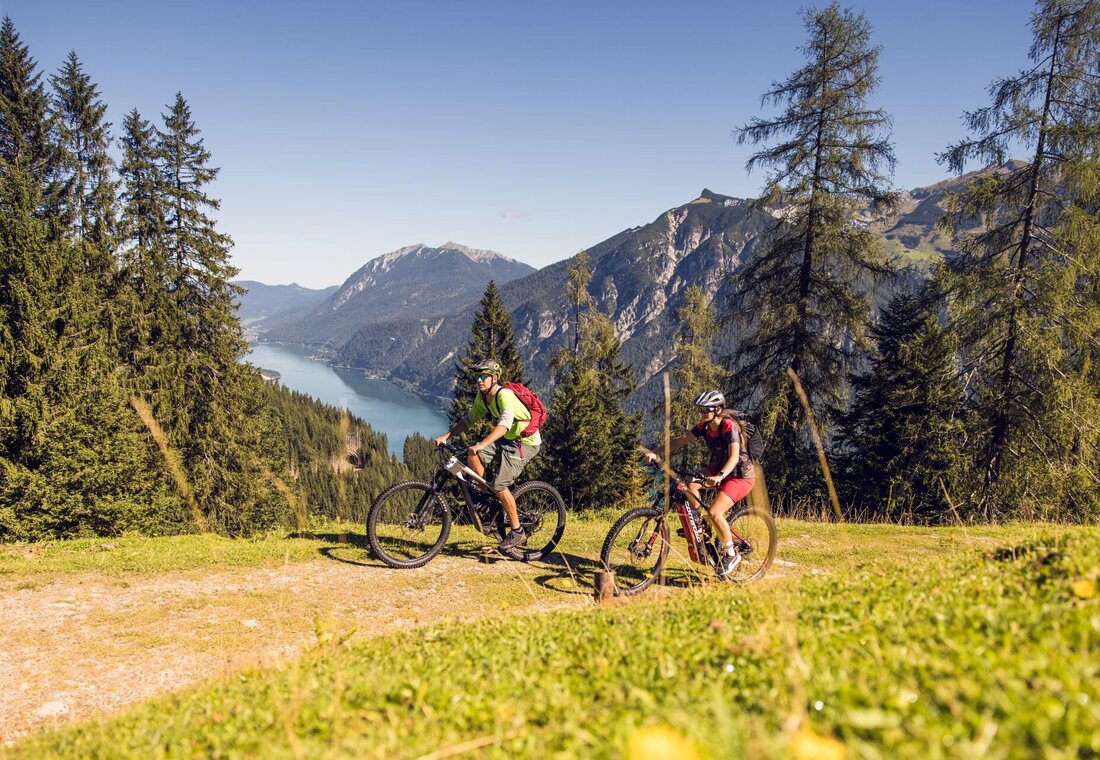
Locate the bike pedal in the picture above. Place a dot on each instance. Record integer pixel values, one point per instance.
(680, 532)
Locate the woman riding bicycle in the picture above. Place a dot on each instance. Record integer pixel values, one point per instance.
(730, 470)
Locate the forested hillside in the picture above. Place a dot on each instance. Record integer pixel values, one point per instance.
(123, 405)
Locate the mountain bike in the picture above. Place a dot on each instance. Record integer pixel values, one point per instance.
(410, 521)
(637, 546)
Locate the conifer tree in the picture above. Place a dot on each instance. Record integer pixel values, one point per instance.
(27, 141)
(73, 459)
(803, 298)
(420, 457)
(87, 203)
(903, 438)
(590, 441)
(208, 398)
(492, 337)
(1022, 293)
(695, 369)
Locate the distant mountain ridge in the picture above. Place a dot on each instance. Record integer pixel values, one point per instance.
(639, 279)
(414, 282)
(263, 302)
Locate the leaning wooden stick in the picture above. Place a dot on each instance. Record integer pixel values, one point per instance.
(817, 442)
(668, 433)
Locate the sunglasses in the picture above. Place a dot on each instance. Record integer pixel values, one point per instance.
(482, 376)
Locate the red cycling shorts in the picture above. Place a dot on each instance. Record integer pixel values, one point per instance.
(735, 488)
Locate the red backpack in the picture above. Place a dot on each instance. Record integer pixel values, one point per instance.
(529, 399)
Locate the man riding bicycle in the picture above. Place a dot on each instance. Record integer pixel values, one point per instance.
(730, 470)
(503, 443)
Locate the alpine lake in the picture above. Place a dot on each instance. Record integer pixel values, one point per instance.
(387, 407)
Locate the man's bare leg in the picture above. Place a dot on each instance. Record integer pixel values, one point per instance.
(505, 497)
(509, 502)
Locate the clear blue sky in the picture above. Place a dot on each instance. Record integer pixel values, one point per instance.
(345, 129)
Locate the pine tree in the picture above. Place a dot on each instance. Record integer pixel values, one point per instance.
(903, 438)
(802, 300)
(492, 337)
(1022, 292)
(591, 443)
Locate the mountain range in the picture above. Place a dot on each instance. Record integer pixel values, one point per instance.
(415, 282)
(405, 326)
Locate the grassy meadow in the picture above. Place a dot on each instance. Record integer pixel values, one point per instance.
(865, 641)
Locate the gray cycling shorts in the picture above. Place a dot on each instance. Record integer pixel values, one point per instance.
(513, 457)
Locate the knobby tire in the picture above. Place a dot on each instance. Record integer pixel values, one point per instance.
(400, 539)
(540, 506)
(640, 531)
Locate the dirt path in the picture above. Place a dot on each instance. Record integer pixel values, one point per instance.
(86, 646)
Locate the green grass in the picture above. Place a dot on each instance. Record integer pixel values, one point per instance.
(894, 642)
(138, 556)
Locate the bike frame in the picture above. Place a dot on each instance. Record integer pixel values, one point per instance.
(680, 498)
(455, 468)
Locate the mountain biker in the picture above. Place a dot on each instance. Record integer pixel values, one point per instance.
(730, 470)
(503, 442)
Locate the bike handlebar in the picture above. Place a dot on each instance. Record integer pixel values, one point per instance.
(454, 448)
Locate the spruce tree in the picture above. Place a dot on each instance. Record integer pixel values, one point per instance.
(1022, 292)
(144, 298)
(207, 396)
(802, 301)
(590, 441)
(87, 188)
(903, 439)
(27, 141)
(73, 458)
(492, 337)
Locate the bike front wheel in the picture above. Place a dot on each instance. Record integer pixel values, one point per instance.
(635, 549)
(755, 537)
(542, 515)
(408, 524)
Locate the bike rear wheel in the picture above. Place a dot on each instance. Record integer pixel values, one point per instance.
(408, 524)
(635, 549)
(542, 515)
(755, 537)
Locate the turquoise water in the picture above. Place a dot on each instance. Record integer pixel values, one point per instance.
(388, 408)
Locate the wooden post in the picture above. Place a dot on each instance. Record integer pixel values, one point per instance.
(605, 586)
(667, 453)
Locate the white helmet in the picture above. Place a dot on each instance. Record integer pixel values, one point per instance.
(710, 399)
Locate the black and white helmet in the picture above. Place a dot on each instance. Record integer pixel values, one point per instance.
(711, 399)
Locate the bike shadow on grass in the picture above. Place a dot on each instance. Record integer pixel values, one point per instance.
(567, 573)
(354, 549)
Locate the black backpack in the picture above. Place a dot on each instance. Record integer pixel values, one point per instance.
(751, 440)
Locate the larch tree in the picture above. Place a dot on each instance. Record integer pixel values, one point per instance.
(1023, 292)
(803, 300)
